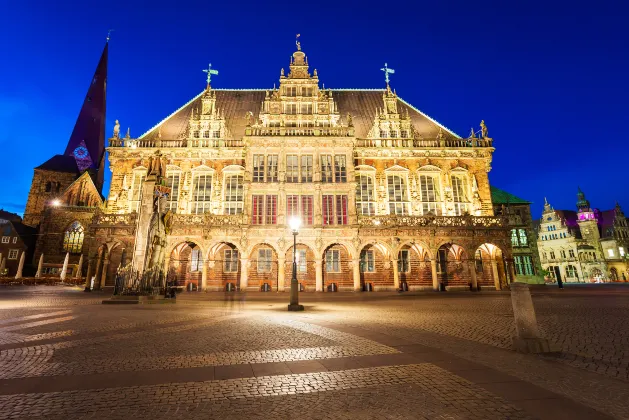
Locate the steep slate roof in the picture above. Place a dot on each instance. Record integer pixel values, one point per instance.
(360, 103)
(499, 196)
(60, 163)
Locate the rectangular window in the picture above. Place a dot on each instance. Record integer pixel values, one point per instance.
(292, 168)
(552, 255)
(403, 263)
(367, 262)
(300, 256)
(518, 266)
(340, 169)
(306, 209)
(271, 175)
(364, 195)
(216, 134)
(459, 196)
(291, 109)
(265, 257)
(230, 261)
(562, 253)
(341, 209)
(571, 253)
(5, 239)
(333, 261)
(271, 209)
(610, 252)
(257, 209)
(233, 194)
(398, 195)
(514, 237)
(196, 261)
(621, 251)
(292, 206)
(428, 191)
(306, 168)
(528, 265)
(136, 191)
(201, 193)
(172, 181)
(258, 168)
(306, 91)
(327, 174)
(291, 90)
(13, 253)
(15, 240)
(306, 109)
(327, 209)
(206, 134)
(524, 241)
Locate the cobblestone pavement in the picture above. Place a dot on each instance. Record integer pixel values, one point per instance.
(348, 356)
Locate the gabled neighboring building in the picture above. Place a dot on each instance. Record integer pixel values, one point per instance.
(588, 245)
(15, 239)
(523, 234)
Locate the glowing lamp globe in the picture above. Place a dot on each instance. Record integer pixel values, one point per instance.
(294, 223)
(55, 203)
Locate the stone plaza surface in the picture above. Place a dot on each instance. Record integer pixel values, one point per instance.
(64, 355)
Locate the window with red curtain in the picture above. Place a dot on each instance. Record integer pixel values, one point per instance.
(257, 211)
(306, 209)
(292, 206)
(327, 209)
(271, 209)
(341, 209)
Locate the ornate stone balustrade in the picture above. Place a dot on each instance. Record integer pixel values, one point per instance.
(189, 143)
(301, 131)
(418, 143)
(432, 221)
(208, 220)
(127, 219)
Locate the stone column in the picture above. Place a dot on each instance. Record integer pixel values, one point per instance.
(97, 271)
(204, 275)
(281, 274)
(396, 275)
(103, 277)
(472, 268)
(319, 275)
(244, 273)
(435, 279)
(494, 271)
(90, 271)
(512, 271)
(356, 270)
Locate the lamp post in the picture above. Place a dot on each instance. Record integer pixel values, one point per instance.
(294, 305)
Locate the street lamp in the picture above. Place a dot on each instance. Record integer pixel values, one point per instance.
(294, 305)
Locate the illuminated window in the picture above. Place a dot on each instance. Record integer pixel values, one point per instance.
(172, 181)
(265, 258)
(196, 260)
(403, 261)
(271, 175)
(333, 261)
(428, 188)
(459, 195)
(528, 265)
(306, 209)
(300, 206)
(514, 237)
(13, 253)
(233, 194)
(621, 251)
(519, 270)
(367, 262)
(230, 261)
(136, 191)
(291, 109)
(306, 108)
(258, 168)
(398, 194)
(300, 256)
(610, 252)
(340, 169)
(365, 201)
(292, 168)
(524, 241)
(327, 174)
(306, 168)
(290, 90)
(201, 192)
(15, 240)
(5, 239)
(73, 238)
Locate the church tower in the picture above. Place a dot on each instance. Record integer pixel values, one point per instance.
(588, 221)
(85, 151)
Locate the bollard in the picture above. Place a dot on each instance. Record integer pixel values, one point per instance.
(527, 339)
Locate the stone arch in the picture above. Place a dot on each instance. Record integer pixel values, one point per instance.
(414, 266)
(453, 271)
(263, 267)
(337, 267)
(491, 267)
(224, 267)
(186, 263)
(376, 266)
(306, 267)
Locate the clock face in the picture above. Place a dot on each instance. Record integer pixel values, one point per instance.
(80, 152)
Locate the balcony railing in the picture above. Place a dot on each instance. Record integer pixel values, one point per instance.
(301, 131)
(188, 143)
(419, 143)
(208, 219)
(431, 221)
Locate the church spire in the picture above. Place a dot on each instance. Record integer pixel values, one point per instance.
(87, 141)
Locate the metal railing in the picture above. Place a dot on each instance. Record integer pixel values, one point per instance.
(420, 143)
(188, 143)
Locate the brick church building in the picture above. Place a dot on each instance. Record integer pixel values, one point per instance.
(388, 198)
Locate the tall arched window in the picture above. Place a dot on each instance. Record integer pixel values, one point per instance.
(365, 197)
(201, 191)
(234, 194)
(459, 194)
(429, 190)
(73, 238)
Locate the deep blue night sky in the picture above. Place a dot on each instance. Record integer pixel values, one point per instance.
(550, 79)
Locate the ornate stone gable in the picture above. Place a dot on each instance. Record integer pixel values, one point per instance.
(207, 122)
(389, 123)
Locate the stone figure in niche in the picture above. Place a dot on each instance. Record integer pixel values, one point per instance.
(156, 238)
